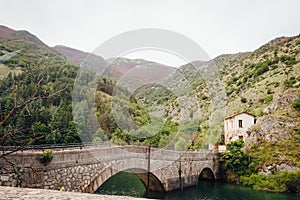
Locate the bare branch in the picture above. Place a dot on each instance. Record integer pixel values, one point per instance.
(20, 147)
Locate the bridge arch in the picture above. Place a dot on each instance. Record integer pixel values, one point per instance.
(207, 174)
(142, 174)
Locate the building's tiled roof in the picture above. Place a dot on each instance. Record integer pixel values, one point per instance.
(235, 114)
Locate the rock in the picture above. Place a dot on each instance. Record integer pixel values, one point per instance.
(270, 128)
(297, 84)
(286, 167)
(4, 178)
(282, 99)
(270, 169)
(58, 176)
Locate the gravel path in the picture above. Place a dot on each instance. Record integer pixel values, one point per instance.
(34, 194)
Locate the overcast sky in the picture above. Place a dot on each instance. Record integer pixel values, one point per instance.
(218, 26)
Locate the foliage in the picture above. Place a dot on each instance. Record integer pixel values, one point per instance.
(235, 159)
(46, 157)
(289, 82)
(39, 119)
(261, 68)
(296, 104)
(243, 100)
(288, 60)
(279, 182)
(284, 151)
(51, 120)
(230, 91)
(266, 100)
(180, 145)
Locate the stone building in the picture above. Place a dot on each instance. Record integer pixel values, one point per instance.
(236, 125)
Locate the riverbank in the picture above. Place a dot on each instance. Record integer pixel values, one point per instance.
(7, 193)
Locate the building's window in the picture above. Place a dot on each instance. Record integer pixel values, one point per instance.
(241, 137)
(240, 123)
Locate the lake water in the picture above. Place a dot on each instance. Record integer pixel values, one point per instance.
(129, 184)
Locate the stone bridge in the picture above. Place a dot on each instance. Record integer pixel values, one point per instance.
(85, 169)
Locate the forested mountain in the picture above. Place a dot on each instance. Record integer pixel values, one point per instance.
(156, 104)
(35, 85)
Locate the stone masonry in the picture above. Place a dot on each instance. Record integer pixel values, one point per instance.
(85, 169)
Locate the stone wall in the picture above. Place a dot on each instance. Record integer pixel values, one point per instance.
(75, 178)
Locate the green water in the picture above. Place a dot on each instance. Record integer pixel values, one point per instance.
(129, 184)
(123, 183)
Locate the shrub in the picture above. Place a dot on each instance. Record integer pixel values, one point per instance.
(266, 100)
(230, 91)
(276, 84)
(46, 157)
(296, 104)
(261, 68)
(5, 48)
(293, 183)
(243, 100)
(289, 83)
(204, 97)
(265, 56)
(269, 91)
(279, 182)
(276, 51)
(288, 60)
(252, 65)
(235, 160)
(234, 79)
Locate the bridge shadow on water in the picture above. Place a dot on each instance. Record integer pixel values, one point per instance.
(129, 184)
(123, 183)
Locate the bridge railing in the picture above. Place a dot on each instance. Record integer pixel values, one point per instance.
(130, 150)
(55, 146)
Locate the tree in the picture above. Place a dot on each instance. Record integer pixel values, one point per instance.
(9, 131)
(21, 107)
(235, 159)
(181, 144)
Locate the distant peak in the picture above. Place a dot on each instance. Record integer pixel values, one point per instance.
(6, 28)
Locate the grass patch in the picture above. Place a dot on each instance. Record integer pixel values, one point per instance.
(4, 70)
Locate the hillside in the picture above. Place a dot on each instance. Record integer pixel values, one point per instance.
(264, 82)
(167, 107)
(35, 85)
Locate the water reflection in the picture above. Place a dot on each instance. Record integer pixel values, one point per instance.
(221, 191)
(129, 184)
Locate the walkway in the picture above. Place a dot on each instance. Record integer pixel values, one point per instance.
(13, 193)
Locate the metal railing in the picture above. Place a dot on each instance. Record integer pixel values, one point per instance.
(54, 146)
(83, 145)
